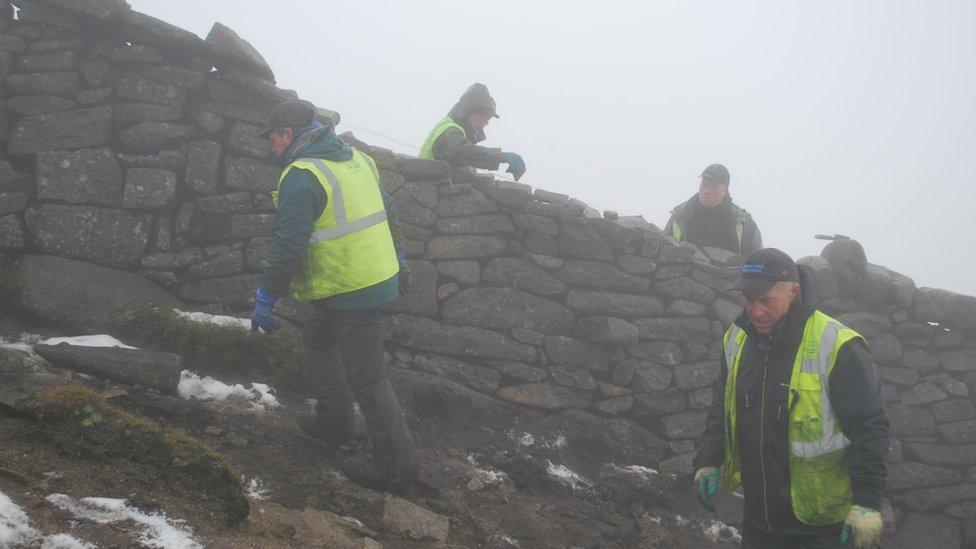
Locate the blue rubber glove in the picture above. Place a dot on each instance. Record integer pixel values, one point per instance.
(262, 317)
(706, 483)
(516, 166)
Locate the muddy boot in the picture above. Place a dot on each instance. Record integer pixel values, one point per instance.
(312, 427)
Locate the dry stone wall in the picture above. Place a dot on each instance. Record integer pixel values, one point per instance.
(129, 146)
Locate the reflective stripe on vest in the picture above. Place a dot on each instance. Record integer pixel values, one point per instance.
(343, 226)
(820, 484)
(446, 123)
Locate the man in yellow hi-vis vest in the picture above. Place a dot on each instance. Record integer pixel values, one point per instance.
(455, 138)
(332, 246)
(797, 419)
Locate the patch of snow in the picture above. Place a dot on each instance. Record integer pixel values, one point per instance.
(157, 530)
(218, 320)
(567, 476)
(101, 340)
(17, 346)
(717, 531)
(644, 474)
(15, 530)
(680, 520)
(353, 521)
(557, 443)
(257, 490)
(525, 439)
(260, 396)
(488, 477)
(655, 520)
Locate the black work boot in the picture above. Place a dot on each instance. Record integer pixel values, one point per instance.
(364, 471)
(312, 427)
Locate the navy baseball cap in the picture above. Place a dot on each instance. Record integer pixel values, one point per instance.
(763, 269)
(294, 114)
(718, 174)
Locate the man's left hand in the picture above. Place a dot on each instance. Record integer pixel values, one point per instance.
(862, 528)
(262, 317)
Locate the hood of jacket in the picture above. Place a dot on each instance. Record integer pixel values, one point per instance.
(474, 98)
(319, 141)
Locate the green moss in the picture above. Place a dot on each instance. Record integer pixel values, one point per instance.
(277, 356)
(82, 422)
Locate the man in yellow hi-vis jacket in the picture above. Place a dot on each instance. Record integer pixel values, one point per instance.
(332, 246)
(797, 419)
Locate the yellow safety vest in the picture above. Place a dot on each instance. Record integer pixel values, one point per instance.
(446, 123)
(351, 246)
(679, 233)
(820, 483)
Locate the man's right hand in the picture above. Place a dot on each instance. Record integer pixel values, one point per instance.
(262, 317)
(706, 484)
(516, 166)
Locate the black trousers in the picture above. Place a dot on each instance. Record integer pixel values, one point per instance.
(345, 354)
(752, 538)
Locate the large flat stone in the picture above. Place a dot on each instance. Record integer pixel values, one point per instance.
(99, 9)
(234, 50)
(927, 499)
(244, 139)
(80, 177)
(522, 274)
(675, 329)
(616, 304)
(429, 335)
(115, 238)
(203, 166)
(32, 105)
(155, 32)
(62, 84)
(910, 421)
(145, 112)
(149, 189)
(954, 410)
(577, 239)
(685, 289)
(662, 352)
(135, 87)
(157, 370)
(684, 425)
(422, 297)
(616, 439)
(13, 237)
(573, 353)
(505, 308)
(910, 474)
(150, 135)
(76, 293)
(466, 247)
(942, 454)
(601, 276)
(545, 396)
(473, 203)
(477, 224)
(403, 517)
(695, 375)
(248, 174)
(918, 530)
(479, 378)
(82, 128)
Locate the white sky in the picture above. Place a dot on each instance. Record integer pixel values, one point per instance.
(834, 117)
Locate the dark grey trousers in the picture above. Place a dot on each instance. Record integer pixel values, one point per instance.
(824, 538)
(345, 354)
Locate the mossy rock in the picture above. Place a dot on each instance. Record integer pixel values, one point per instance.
(277, 357)
(79, 421)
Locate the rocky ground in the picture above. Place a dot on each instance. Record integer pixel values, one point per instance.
(502, 476)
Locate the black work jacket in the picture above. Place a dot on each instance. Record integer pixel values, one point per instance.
(762, 416)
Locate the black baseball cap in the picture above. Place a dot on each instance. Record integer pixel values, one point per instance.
(763, 269)
(293, 114)
(717, 173)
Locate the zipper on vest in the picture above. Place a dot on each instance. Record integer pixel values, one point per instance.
(762, 440)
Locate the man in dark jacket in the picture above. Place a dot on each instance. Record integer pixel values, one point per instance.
(799, 421)
(333, 246)
(455, 138)
(711, 219)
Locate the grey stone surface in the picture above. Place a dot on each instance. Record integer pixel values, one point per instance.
(75, 129)
(505, 308)
(145, 112)
(959, 361)
(110, 237)
(655, 403)
(157, 370)
(22, 375)
(920, 359)
(177, 76)
(953, 410)
(535, 223)
(429, 335)
(80, 294)
(207, 121)
(464, 272)
(662, 352)
(62, 84)
(244, 139)
(248, 174)
(172, 160)
(150, 135)
(875, 285)
(80, 177)
(675, 329)
(31, 105)
(619, 440)
(479, 378)
(649, 376)
(683, 425)
(134, 87)
(466, 247)
(927, 499)
(680, 307)
(960, 432)
(545, 396)
(942, 454)
(885, 349)
(225, 263)
(899, 376)
(573, 353)
(601, 276)
(637, 265)
(577, 378)
(849, 264)
(865, 323)
(13, 237)
(923, 393)
(522, 274)
(203, 166)
(149, 30)
(608, 330)
(237, 290)
(477, 224)
(136, 53)
(464, 205)
(686, 289)
(228, 45)
(148, 189)
(910, 421)
(578, 239)
(422, 297)
(519, 371)
(696, 375)
(13, 202)
(918, 530)
(100, 9)
(824, 277)
(616, 304)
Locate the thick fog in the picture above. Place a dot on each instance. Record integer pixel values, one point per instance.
(834, 117)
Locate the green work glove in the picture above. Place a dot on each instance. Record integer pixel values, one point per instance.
(706, 483)
(862, 528)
